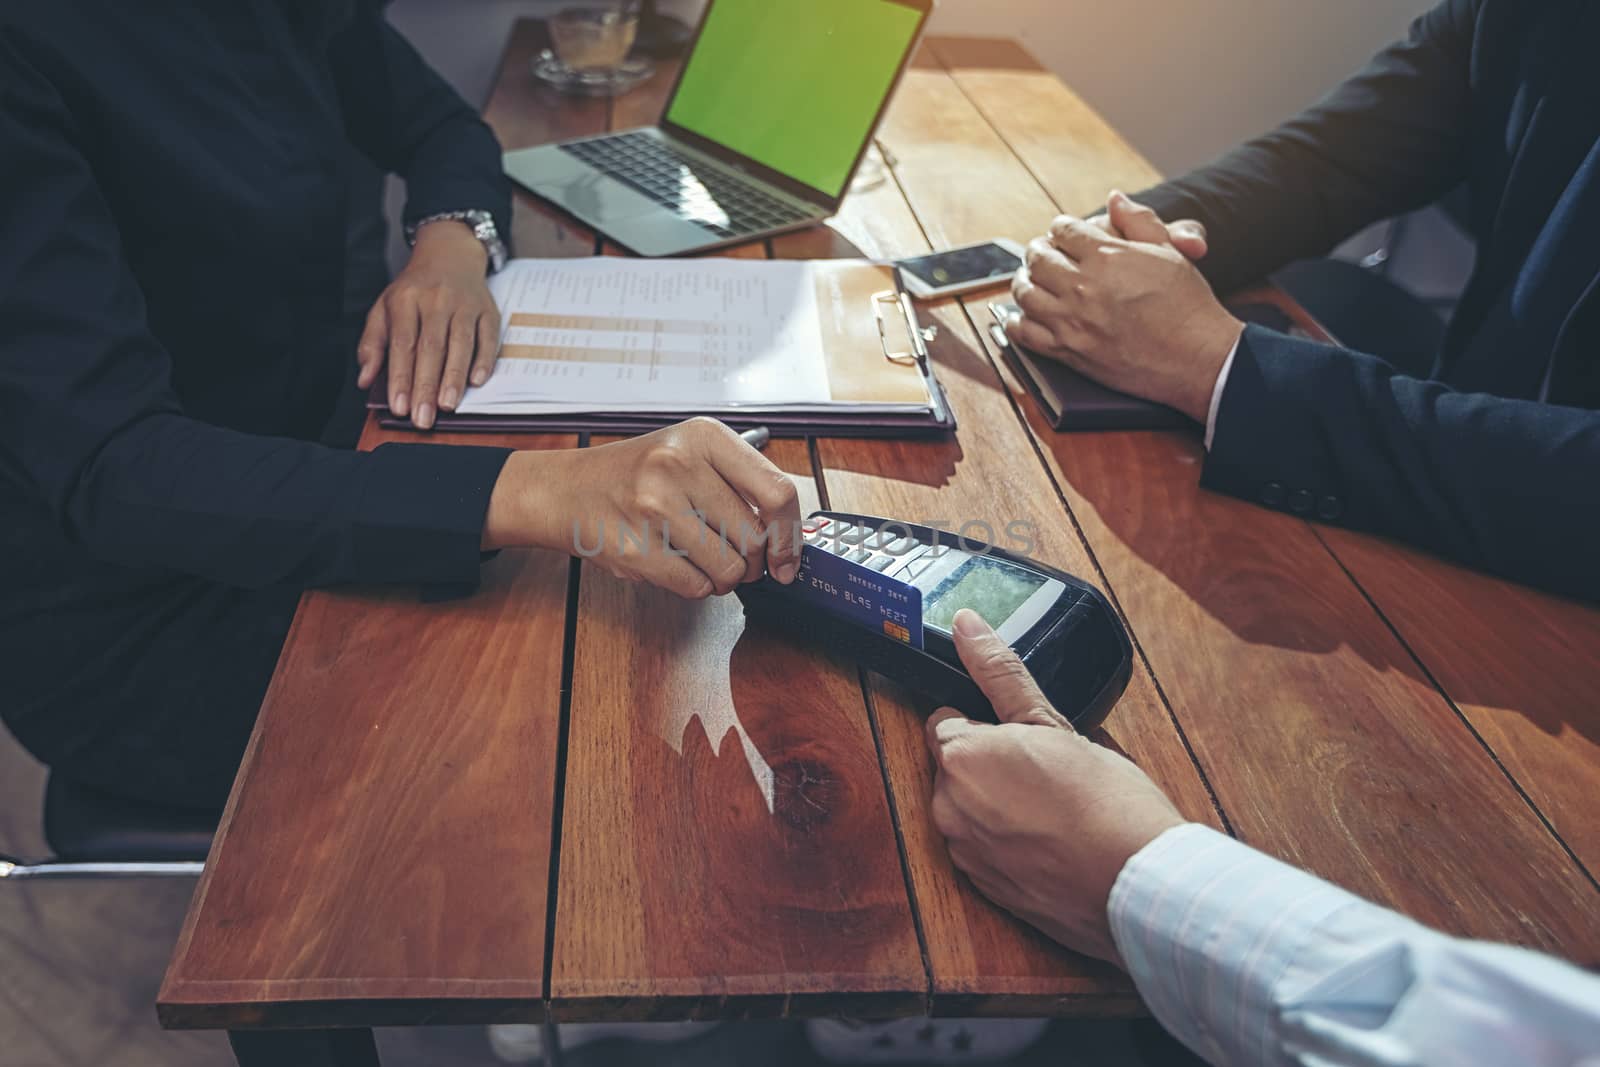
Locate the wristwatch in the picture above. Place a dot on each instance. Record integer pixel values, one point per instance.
(483, 228)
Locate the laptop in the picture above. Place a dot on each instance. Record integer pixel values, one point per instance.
(772, 113)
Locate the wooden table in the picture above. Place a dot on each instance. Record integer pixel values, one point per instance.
(540, 802)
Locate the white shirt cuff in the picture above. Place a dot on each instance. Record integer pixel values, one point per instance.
(1216, 392)
(1208, 928)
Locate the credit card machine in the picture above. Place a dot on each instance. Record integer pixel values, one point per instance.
(885, 592)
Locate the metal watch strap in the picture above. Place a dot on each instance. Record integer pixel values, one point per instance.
(483, 228)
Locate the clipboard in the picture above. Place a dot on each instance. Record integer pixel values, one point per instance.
(873, 347)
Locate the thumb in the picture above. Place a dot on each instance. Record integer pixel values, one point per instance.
(1001, 674)
(1135, 221)
(373, 344)
(1189, 237)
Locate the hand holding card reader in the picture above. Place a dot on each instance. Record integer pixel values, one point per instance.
(885, 593)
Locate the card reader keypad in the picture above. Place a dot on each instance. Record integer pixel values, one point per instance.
(889, 551)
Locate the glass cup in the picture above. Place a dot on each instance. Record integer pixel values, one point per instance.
(590, 42)
(593, 39)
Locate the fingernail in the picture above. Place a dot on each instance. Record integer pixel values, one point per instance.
(786, 572)
(1119, 195)
(424, 415)
(479, 376)
(400, 403)
(969, 623)
(447, 399)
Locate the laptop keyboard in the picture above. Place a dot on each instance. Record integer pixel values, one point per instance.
(720, 202)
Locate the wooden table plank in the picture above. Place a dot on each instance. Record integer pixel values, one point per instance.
(726, 849)
(982, 960)
(358, 874)
(1081, 157)
(1272, 659)
(1522, 666)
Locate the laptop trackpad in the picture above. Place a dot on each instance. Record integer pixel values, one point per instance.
(627, 215)
(592, 195)
(660, 234)
(575, 185)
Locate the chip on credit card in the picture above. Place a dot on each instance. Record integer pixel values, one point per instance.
(859, 595)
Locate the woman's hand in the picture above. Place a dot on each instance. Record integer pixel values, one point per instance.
(691, 508)
(436, 325)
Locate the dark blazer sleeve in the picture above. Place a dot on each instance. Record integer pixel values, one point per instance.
(1392, 139)
(93, 434)
(1506, 486)
(408, 120)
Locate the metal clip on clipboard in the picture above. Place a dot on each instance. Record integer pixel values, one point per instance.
(918, 336)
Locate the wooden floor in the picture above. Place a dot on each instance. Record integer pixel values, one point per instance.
(80, 963)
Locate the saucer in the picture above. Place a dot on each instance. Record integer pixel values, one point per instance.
(634, 71)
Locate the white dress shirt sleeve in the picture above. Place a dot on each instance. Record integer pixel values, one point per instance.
(1249, 961)
(1216, 392)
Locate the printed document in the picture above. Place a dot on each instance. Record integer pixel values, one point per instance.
(631, 335)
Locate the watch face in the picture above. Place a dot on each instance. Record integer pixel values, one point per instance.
(490, 237)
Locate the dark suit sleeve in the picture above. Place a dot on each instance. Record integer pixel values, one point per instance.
(1389, 140)
(94, 435)
(1502, 485)
(410, 122)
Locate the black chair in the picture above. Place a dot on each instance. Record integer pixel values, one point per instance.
(1366, 309)
(96, 835)
(1367, 312)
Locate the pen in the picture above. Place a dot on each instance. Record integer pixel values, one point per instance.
(757, 437)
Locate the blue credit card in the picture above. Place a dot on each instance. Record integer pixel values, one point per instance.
(859, 595)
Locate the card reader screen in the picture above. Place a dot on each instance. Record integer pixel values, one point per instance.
(991, 587)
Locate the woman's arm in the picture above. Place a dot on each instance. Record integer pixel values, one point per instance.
(436, 327)
(410, 122)
(91, 429)
(92, 432)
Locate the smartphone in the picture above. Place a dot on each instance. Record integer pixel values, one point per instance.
(961, 270)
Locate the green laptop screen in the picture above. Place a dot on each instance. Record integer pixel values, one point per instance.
(794, 84)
